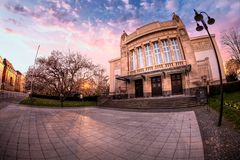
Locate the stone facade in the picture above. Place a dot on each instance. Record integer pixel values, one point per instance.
(20, 82)
(9, 76)
(203, 51)
(160, 59)
(1, 71)
(11, 80)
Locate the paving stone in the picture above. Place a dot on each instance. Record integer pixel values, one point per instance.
(94, 133)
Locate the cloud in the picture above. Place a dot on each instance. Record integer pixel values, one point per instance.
(9, 30)
(95, 27)
(17, 8)
(52, 11)
(146, 5)
(172, 5)
(13, 21)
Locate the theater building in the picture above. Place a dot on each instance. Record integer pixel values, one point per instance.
(160, 59)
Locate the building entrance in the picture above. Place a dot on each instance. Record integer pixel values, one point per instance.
(139, 88)
(156, 86)
(176, 80)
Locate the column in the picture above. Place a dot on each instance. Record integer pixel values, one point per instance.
(180, 48)
(129, 61)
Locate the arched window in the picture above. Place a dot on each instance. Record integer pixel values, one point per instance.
(140, 58)
(177, 52)
(11, 81)
(148, 55)
(157, 53)
(167, 54)
(133, 62)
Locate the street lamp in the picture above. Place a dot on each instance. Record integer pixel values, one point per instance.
(34, 71)
(199, 17)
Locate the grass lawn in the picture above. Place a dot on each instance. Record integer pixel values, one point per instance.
(231, 113)
(55, 103)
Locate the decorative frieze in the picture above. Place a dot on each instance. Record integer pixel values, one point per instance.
(201, 45)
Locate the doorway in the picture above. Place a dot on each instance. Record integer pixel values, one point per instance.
(156, 86)
(176, 81)
(139, 88)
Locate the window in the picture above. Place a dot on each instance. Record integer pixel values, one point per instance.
(166, 51)
(11, 81)
(133, 63)
(157, 53)
(177, 52)
(140, 58)
(148, 55)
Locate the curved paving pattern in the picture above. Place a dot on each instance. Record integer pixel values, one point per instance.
(93, 133)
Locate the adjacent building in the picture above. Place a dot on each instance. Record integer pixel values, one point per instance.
(20, 82)
(10, 79)
(160, 59)
(1, 70)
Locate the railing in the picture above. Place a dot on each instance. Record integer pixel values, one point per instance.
(158, 66)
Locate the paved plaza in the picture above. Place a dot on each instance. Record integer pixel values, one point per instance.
(94, 133)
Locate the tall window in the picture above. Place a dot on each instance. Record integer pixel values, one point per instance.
(11, 81)
(157, 53)
(148, 55)
(166, 51)
(177, 52)
(140, 58)
(133, 62)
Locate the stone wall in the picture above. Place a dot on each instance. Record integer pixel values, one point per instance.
(1, 71)
(9, 76)
(203, 50)
(20, 82)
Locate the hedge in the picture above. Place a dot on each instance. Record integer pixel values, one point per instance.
(73, 98)
(227, 88)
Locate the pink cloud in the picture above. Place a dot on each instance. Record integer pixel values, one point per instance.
(172, 5)
(9, 30)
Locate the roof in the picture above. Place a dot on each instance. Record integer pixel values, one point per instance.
(151, 28)
(115, 59)
(201, 37)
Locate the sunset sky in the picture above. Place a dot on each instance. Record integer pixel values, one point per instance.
(94, 27)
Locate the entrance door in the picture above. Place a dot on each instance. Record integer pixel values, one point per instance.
(176, 80)
(139, 88)
(156, 86)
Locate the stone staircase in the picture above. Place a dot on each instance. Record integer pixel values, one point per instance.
(172, 102)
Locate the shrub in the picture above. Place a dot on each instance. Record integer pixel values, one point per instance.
(227, 88)
(73, 98)
(233, 105)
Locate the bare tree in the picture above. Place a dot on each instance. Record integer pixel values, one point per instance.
(101, 80)
(231, 39)
(59, 74)
(232, 66)
(96, 85)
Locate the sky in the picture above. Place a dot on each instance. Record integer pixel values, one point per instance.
(93, 27)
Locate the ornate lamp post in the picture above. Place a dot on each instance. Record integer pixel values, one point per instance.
(199, 17)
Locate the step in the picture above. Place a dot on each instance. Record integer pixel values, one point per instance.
(148, 103)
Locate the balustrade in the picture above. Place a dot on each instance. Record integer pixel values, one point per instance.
(159, 66)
